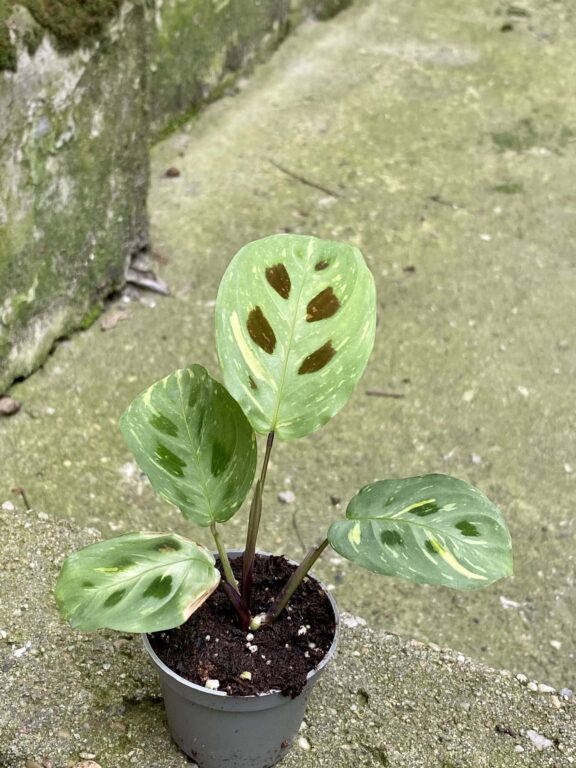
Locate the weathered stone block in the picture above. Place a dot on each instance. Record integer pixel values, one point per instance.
(74, 159)
(74, 124)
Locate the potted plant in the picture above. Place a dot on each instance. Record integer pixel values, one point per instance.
(295, 324)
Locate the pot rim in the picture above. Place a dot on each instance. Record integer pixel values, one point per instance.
(275, 692)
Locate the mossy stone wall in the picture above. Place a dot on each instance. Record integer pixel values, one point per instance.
(83, 88)
(198, 47)
(74, 159)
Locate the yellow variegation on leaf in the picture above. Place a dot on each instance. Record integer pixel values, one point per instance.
(295, 322)
(431, 529)
(138, 582)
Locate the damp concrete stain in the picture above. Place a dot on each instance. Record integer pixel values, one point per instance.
(470, 239)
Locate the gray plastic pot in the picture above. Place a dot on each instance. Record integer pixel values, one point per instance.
(221, 731)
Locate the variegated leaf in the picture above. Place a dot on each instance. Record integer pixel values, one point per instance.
(194, 443)
(432, 529)
(295, 321)
(138, 582)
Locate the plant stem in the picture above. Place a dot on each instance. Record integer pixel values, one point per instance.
(226, 567)
(250, 550)
(253, 525)
(294, 582)
(238, 604)
(230, 586)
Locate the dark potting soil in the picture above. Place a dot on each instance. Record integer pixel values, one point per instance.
(211, 645)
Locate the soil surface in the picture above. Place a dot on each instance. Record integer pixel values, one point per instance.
(211, 645)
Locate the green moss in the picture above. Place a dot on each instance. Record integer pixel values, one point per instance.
(521, 138)
(4, 346)
(176, 123)
(7, 52)
(32, 39)
(90, 317)
(509, 188)
(541, 131)
(325, 10)
(70, 21)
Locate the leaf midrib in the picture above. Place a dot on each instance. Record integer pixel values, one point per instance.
(415, 524)
(143, 572)
(195, 450)
(274, 420)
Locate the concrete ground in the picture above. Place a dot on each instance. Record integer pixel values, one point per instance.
(74, 700)
(441, 139)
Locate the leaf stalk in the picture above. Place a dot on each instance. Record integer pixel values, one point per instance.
(294, 582)
(224, 560)
(253, 526)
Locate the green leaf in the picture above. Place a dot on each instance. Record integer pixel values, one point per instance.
(194, 443)
(138, 582)
(295, 322)
(432, 529)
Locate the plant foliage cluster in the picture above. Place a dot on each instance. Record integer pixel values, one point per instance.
(295, 325)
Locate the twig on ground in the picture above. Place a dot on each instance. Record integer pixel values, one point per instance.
(297, 531)
(22, 492)
(304, 180)
(383, 393)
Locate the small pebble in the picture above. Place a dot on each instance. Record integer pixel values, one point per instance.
(476, 459)
(523, 391)
(9, 406)
(568, 468)
(352, 621)
(556, 644)
(8, 506)
(21, 651)
(521, 678)
(532, 686)
(303, 743)
(252, 648)
(212, 685)
(567, 693)
(88, 764)
(539, 741)
(246, 675)
(287, 497)
(249, 637)
(506, 603)
(302, 630)
(518, 748)
(543, 688)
